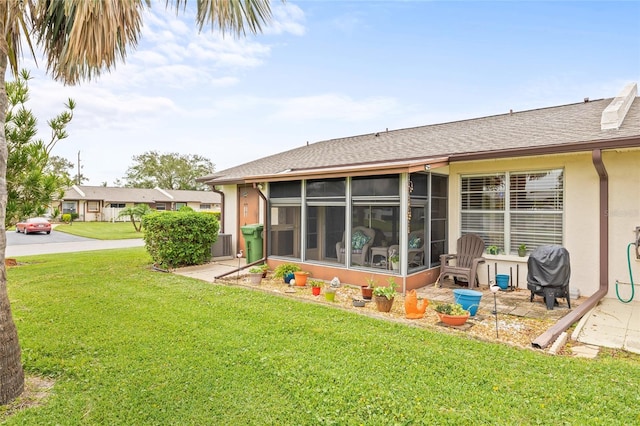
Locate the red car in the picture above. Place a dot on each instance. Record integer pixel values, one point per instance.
(35, 224)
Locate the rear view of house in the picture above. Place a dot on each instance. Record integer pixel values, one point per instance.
(349, 207)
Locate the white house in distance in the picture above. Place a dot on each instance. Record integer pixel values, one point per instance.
(103, 204)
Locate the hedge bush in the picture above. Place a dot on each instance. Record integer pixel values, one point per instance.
(214, 214)
(175, 239)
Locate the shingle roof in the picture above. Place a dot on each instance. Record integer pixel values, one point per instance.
(139, 195)
(560, 125)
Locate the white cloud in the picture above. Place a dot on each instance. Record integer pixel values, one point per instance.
(286, 18)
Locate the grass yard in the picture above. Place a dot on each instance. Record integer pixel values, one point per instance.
(101, 230)
(128, 346)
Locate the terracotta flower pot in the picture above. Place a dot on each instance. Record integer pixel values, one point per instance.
(315, 291)
(367, 293)
(384, 304)
(453, 319)
(301, 278)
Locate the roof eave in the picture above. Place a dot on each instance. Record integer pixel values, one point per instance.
(604, 144)
(362, 169)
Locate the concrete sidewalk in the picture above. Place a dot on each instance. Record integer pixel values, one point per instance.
(209, 271)
(36, 249)
(611, 324)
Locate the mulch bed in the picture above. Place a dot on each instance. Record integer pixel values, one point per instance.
(512, 330)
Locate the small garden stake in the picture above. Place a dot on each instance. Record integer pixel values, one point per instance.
(494, 289)
(239, 255)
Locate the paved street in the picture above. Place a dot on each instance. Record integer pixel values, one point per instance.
(59, 242)
(19, 239)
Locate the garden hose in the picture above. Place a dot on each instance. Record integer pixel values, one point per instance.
(633, 291)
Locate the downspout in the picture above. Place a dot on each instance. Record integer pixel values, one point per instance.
(565, 322)
(213, 189)
(265, 232)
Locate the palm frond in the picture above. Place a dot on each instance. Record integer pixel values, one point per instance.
(84, 38)
(230, 15)
(14, 15)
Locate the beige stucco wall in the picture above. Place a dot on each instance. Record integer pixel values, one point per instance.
(229, 212)
(581, 230)
(623, 168)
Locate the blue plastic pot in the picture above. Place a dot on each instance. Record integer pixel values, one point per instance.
(503, 281)
(288, 278)
(469, 299)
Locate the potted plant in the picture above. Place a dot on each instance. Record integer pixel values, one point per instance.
(394, 258)
(330, 294)
(255, 275)
(367, 292)
(264, 268)
(301, 278)
(385, 296)
(451, 313)
(285, 271)
(522, 250)
(493, 250)
(316, 285)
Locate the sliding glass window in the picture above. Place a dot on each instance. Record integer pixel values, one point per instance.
(325, 219)
(375, 220)
(285, 219)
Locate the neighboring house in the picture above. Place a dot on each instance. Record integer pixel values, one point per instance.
(104, 204)
(566, 175)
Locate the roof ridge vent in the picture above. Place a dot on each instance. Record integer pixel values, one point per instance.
(162, 191)
(613, 115)
(79, 191)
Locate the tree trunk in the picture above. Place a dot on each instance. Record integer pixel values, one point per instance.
(11, 373)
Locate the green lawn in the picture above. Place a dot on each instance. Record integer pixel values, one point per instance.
(129, 346)
(101, 230)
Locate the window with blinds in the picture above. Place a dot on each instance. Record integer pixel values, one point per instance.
(514, 208)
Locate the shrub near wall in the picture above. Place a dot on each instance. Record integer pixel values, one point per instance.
(175, 239)
(214, 214)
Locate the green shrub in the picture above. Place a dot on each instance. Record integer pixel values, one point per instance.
(214, 214)
(66, 218)
(284, 269)
(176, 239)
(185, 209)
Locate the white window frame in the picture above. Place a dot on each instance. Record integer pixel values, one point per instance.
(93, 206)
(511, 240)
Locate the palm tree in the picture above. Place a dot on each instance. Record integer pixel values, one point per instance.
(135, 213)
(81, 39)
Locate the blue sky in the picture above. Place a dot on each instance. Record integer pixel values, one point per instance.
(329, 69)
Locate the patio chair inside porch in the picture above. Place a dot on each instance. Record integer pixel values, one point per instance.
(416, 248)
(362, 239)
(469, 249)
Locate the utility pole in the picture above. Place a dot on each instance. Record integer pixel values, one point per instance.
(78, 180)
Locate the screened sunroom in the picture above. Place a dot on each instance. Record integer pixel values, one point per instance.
(394, 223)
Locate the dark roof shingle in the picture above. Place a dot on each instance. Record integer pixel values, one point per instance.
(560, 125)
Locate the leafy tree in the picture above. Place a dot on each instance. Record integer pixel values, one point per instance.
(168, 171)
(33, 180)
(135, 213)
(60, 166)
(81, 39)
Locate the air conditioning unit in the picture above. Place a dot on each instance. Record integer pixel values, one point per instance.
(223, 247)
